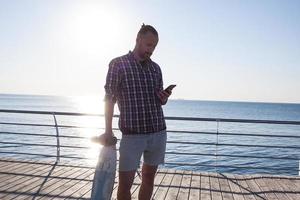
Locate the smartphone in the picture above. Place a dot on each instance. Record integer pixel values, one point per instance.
(170, 88)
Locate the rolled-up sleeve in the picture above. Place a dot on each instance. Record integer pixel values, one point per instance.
(112, 82)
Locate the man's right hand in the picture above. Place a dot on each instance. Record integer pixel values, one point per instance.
(106, 139)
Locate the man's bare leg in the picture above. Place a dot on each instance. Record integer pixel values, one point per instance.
(125, 183)
(148, 175)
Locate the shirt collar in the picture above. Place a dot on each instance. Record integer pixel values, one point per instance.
(133, 59)
(131, 56)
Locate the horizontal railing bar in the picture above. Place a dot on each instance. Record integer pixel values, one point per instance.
(227, 166)
(51, 113)
(26, 124)
(233, 120)
(46, 145)
(169, 131)
(173, 142)
(220, 134)
(23, 133)
(29, 144)
(46, 135)
(30, 154)
(44, 155)
(234, 156)
(237, 145)
(235, 134)
(259, 135)
(167, 118)
(48, 125)
(10, 146)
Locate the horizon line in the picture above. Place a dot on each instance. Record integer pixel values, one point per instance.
(176, 99)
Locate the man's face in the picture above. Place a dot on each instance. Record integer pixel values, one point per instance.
(146, 45)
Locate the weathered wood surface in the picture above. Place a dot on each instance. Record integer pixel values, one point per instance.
(42, 180)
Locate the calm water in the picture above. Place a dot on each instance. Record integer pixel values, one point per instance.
(179, 108)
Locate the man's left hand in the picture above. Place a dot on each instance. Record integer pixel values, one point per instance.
(163, 96)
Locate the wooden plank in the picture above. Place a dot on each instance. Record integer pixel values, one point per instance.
(158, 180)
(195, 186)
(9, 197)
(82, 190)
(225, 188)
(52, 183)
(267, 192)
(215, 187)
(19, 186)
(205, 187)
(69, 188)
(289, 189)
(273, 185)
(29, 182)
(15, 167)
(234, 187)
(24, 180)
(185, 186)
(174, 186)
(10, 178)
(75, 185)
(85, 185)
(244, 187)
(295, 181)
(4, 165)
(163, 188)
(255, 188)
(26, 187)
(32, 188)
(58, 185)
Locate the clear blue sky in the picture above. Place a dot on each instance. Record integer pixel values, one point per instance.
(213, 50)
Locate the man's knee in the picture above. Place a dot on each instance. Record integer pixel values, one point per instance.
(126, 180)
(148, 174)
(148, 178)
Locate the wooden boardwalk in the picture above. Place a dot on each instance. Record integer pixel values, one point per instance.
(41, 180)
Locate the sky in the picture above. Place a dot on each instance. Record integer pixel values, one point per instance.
(213, 50)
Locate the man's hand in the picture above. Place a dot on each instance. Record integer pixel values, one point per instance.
(106, 139)
(163, 96)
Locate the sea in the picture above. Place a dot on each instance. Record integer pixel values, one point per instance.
(191, 144)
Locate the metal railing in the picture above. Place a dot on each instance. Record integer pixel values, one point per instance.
(216, 144)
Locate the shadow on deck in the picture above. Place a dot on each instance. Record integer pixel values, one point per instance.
(27, 179)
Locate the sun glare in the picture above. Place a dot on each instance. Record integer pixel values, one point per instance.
(92, 26)
(93, 125)
(89, 104)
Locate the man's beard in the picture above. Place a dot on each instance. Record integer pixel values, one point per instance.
(146, 56)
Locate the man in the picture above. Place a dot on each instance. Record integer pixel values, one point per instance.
(135, 82)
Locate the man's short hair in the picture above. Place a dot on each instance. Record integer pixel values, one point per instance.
(147, 28)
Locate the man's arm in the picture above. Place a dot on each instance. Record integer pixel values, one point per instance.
(109, 112)
(107, 138)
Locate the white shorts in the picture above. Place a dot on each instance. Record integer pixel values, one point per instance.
(151, 145)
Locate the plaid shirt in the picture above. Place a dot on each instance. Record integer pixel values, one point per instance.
(133, 86)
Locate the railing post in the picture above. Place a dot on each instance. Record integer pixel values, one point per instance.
(216, 149)
(57, 139)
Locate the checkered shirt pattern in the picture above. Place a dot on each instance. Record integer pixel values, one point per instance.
(133, 86)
